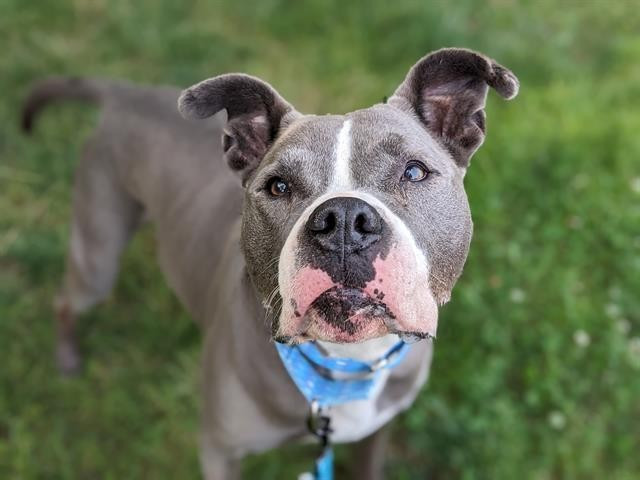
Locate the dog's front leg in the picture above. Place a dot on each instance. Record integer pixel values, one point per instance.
(367, 459)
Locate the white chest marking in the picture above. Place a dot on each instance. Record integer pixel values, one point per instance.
(342, 170)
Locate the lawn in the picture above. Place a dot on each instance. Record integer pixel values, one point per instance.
(537, 366)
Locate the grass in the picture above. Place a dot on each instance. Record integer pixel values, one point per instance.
(537, 368)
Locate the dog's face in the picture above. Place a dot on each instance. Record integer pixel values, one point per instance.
(368, 220)
(357, 226)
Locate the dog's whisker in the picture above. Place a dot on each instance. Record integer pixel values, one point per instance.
(269, 264)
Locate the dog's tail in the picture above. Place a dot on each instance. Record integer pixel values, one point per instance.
(58, 88)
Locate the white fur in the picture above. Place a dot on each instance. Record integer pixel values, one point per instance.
(367, 351)
(356, 420)
(342, 169)
(399, 227)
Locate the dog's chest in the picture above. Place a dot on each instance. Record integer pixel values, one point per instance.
(355, 420)
(395, 391)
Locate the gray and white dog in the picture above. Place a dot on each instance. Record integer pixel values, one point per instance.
(349, 230)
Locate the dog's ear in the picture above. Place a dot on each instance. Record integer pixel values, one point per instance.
(255, 115)
(447, 91)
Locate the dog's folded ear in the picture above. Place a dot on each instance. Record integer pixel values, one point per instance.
(255, 115)
(447, 91)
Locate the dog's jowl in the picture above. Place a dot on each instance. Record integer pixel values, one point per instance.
(345, 232)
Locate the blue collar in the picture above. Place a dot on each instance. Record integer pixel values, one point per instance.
(325, 381)
(333, 381)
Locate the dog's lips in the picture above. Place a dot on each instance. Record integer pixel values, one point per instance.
(349, 315)
(346, 315)
(397, 300)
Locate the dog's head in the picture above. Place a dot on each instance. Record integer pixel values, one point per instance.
(356, 226)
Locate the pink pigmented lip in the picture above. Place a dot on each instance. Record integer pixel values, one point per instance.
(313, 282)
(366, 318)
(343, 315)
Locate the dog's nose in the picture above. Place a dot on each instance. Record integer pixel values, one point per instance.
(345, 224)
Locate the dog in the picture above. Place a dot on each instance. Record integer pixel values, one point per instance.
(347, 230)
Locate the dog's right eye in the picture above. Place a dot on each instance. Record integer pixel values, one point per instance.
(277, 187)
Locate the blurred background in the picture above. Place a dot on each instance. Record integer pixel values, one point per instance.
(537, 366)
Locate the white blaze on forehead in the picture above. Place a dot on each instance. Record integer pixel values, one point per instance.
(342, 169)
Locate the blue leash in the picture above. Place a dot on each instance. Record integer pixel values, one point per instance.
(326, 381)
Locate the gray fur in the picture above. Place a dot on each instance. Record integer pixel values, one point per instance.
(218, 245)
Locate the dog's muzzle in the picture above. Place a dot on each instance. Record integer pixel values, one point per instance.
(351, 275)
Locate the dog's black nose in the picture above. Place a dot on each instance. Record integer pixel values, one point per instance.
(345, 224)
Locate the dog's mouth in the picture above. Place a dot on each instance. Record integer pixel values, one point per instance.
(389, 295)
(348, 315)
(344, 314)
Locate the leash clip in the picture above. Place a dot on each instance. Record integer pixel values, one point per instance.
(319, 423)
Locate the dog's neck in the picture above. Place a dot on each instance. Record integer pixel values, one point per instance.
(366, 351)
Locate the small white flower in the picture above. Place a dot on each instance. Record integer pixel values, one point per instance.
(624, 326)
(635, 185)
(582, 338)
(557, 420)
(612, 310)
(517, 295)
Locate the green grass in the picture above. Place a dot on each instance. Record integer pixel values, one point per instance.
(537, 368)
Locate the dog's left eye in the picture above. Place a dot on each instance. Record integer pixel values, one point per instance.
(277, 187)
(414, 172)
